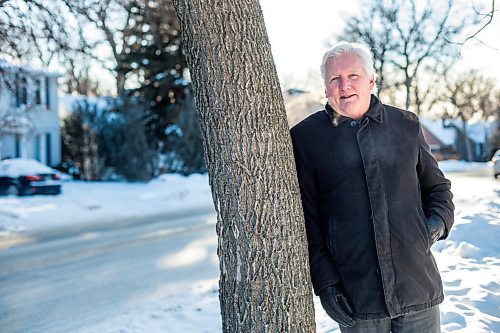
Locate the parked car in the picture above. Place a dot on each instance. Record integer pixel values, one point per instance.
(496, 163)
(19, 176)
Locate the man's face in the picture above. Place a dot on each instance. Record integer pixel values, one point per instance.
(348, 87)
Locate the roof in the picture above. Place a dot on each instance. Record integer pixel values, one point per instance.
(446, 136)
(8, 67)
(478, 131)
(430, 138)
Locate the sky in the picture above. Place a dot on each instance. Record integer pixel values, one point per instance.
(298, 32)
(468, 260)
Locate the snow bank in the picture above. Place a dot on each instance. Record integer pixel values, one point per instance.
(15, 167)
(461, 166)
(83, 203)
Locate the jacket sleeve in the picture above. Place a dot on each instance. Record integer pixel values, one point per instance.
(435, 188)
(323, 271)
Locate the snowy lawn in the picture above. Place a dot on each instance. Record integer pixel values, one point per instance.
(83, 203)
(469, 260)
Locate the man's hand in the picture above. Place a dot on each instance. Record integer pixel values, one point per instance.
(436, 228)
(336, 305)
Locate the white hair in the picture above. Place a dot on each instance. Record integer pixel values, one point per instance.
(361, 50)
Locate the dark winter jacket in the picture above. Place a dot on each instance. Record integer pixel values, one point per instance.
(368, 188)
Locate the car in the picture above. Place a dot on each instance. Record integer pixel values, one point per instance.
(496, 163)
(20, 176)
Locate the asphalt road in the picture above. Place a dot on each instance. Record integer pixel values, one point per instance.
(66, 280)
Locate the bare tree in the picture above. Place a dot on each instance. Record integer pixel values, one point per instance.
(36, 29)
(485, 19)
(374, 26)
(77, 78)
(264, 283)
(109, 18)
(13, 120)
(471, 95)
(406, 37)
(121, 26)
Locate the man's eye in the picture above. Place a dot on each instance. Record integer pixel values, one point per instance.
(334, 78)
(354, 76)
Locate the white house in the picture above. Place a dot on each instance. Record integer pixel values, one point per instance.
(29, 117)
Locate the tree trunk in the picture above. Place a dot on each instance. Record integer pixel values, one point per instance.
(120, 82)
(264, 272)
(468, 148)
(408, 82)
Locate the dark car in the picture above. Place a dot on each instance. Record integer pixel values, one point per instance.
(19, 176)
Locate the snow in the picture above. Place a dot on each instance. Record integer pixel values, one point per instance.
(445, 135)
(478, 131)
(25, 68)
(83, 202)
(468, 260)
(15, 167)
(69, 103)
(174, 128)
(461, 166)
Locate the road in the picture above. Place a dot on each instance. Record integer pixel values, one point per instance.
(64, 280)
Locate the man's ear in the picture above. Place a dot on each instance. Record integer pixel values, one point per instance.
(372, 82)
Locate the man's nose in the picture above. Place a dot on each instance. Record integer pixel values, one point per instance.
(343, 84)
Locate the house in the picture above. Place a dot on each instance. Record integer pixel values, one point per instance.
(299, 105)
(448, 139)
(473, 141)
(442, 141)
(29, 116)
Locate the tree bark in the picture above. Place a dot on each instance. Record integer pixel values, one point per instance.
(264, 272)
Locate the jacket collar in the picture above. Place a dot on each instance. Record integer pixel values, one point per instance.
(374, 112)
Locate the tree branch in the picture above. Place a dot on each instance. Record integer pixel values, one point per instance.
(489, 17)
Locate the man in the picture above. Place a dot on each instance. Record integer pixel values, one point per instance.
(374, 202)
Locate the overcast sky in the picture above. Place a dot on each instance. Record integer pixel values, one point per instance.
(298, 31)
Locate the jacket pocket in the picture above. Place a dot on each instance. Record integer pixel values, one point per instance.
(426, 231)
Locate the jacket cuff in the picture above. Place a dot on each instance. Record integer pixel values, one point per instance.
(323, 286)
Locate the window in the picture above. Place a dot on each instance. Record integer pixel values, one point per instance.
(17, 89)
(38, 92)
(18, 146)
(38, 143)
(48, 149)
(47, 92)
(21, 90)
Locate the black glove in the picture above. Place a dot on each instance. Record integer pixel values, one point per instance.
(436, 228)
(336, 304)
